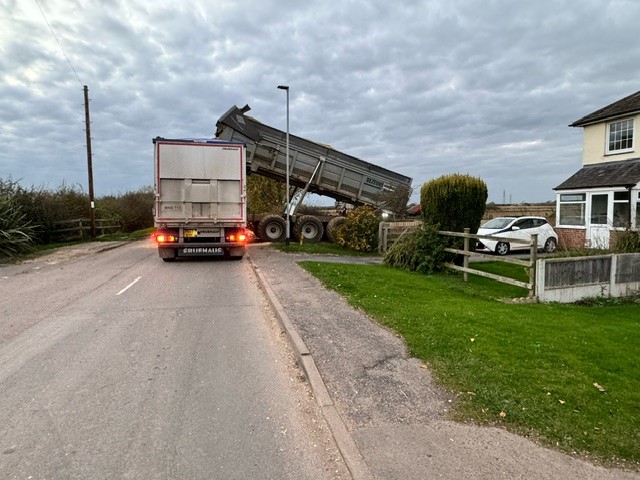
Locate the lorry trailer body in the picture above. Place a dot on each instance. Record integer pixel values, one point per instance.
(200, 198)
(313, 168)
(321, 168)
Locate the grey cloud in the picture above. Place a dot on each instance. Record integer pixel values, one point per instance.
(424, 87)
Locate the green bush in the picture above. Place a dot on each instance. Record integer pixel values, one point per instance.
(265, 195)
(133, 210)
(454, 202)
(628, 242)
(45, 208)
(419, 251)
(16, 231)
(360, 230)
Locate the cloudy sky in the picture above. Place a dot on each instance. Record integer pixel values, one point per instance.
(422, 87)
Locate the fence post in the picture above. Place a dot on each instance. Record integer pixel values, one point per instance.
(533, 260)
(465, 261)
(81, 229)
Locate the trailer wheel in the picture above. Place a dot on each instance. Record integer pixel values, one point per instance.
(332, 228)
(309, 228)
(272, 228)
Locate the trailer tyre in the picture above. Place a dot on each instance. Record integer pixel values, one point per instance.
(332, 228)
(272, 228)
(309, 228)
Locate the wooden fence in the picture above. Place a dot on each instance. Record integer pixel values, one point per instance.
(389, 232)
(80, 229)
(468, 252)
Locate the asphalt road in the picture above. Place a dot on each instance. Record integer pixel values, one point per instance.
(118, 365)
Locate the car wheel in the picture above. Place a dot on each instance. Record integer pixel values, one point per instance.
(550, 245)
(502, 248)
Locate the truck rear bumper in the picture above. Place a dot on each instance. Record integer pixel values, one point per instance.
(201, 250)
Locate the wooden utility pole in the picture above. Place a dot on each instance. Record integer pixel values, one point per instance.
(92, 216)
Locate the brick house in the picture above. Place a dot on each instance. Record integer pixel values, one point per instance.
(603, 197)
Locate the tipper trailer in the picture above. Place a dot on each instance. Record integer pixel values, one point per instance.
(314, 168)
(200, 198)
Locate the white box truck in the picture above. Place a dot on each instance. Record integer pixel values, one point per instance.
(200, 198)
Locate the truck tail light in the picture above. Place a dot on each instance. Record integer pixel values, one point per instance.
(237, 236)
(166, 238)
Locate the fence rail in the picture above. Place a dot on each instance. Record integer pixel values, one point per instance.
(80, 229)
(389, 232)
(468, 252)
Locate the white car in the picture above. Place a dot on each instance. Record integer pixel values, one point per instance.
(517, 228)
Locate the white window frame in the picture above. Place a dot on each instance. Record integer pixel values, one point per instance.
(615, 151)
(634, 206)
(613, 209)
(577, 201)
(635, 209)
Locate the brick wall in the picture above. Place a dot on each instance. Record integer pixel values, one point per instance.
(570, 238)
(547, 210)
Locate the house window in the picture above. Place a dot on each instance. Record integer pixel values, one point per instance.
(621, 209)
(620, 136)
(572, 208)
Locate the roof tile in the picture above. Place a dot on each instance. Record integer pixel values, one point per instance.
(627, 105)
(612, 174)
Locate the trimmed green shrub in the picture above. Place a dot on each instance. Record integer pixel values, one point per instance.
(419, 251)
(454, 202)
(360, 230)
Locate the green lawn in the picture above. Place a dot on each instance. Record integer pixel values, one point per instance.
(566, 375)
(326, 248)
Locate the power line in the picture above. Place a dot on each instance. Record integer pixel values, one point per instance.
(58, 41)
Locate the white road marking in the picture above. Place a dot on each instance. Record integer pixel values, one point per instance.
(128, 286)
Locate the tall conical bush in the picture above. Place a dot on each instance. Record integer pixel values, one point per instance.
(454, 202)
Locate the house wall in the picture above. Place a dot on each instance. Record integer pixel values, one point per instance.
(594, 144)
(571, 238)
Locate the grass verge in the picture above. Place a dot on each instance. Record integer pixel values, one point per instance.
(566, 375)
(321, 248)
(38, 250)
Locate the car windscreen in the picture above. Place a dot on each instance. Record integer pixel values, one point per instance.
(497, 223)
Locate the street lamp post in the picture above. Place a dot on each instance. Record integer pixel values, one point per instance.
(286, 88)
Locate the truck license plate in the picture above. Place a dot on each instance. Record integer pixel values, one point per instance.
(200, 251)
(190, 233)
